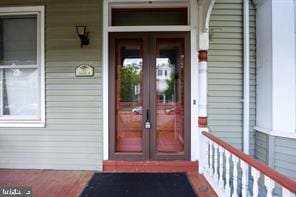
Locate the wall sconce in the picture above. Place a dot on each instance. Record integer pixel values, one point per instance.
(83, 35)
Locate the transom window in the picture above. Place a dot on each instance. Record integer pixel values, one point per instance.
(149, 16)
(21, 66)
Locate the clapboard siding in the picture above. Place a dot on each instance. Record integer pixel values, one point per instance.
(72, 138)
(285, 156)
(277, 152)
(261, 147)
(225, 72)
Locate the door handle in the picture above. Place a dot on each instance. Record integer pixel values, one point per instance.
(147, 122)
(147, 115)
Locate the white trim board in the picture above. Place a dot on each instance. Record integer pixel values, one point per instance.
(291, 135)
(40, 12)
(195, 134)
(145, 1)
(105, 57)
(193, 28)
(148, 28)
(16, 10)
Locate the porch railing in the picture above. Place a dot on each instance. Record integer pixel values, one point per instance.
(227, 170)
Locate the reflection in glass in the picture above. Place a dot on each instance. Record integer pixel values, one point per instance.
(15, 47)
(19, 95)
(170, 95)
(129, 97)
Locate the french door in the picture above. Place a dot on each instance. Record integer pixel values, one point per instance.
(149, 96)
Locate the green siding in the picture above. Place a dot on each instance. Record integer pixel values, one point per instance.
(225, 72)
(261, 147)
(285, 156)
(277, 152)
(72, 138)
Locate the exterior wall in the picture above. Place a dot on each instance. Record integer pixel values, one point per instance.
(275, 90)
(277, 152)
(285, 156)
(72, 138)
(261, 147)
(225, 72)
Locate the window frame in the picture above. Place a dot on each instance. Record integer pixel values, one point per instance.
(26, 121)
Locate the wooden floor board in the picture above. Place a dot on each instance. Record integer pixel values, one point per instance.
(47, 183)
(57, 183)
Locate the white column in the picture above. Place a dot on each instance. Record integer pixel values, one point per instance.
(195, 135)
(283, 55)
(105, 56)
(203, 88)
(276, 70)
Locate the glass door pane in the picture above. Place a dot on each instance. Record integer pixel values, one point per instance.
(169, 95)
(129, 95)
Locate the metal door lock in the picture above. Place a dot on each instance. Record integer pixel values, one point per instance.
(147, 125)
(147, 122)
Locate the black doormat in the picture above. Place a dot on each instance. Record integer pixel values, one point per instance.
(138, 185)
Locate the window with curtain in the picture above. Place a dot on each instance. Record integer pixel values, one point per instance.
(20, 67)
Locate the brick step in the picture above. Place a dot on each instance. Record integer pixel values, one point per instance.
(150, 166)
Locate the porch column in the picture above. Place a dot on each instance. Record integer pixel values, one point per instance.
(203, 88)
(276, 73)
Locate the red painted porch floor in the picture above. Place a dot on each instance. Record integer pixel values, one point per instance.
(58, 183)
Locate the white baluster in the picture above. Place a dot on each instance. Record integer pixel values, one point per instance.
(255, 174)
(216, 163)
(204, 155)
(269, 184)
(245, 171)
(211, 159)
(287, 193)
(206, 148)
(235, 173)
(221, 181)
(227, 174)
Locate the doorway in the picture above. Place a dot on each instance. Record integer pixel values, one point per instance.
(149, 96)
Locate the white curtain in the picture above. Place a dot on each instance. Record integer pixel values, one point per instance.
(20, 92)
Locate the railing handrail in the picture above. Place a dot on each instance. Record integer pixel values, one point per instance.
(276, 176)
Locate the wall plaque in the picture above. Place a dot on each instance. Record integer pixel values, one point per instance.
(84, 70)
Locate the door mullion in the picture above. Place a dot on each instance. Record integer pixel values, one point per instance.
(152, 91)
(146, 99)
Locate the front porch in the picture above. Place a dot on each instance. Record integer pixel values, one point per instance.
(230, 91)
(223, 171)
(47, 182)
(71, 183)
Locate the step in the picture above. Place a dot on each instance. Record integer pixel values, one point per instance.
(190, 167)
